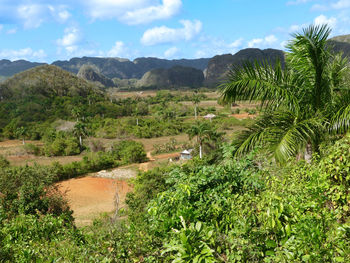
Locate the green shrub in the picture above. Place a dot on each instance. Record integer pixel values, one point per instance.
(62, 146)
(4, 163)
(32, 149)
(129, 151)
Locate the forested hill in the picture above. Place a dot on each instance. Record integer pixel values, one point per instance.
(126, 69)
(219, 65)
(45, 81)
(214, 68)
(44, 93)
(341, 44)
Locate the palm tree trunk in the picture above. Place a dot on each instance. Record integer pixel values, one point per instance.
(200, 151)
(23, 142)
(80, 141)
(308, 153)
(195, 111)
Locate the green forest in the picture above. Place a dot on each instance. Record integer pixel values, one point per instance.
(273, 188)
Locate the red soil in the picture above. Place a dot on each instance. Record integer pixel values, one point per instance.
(90, 196)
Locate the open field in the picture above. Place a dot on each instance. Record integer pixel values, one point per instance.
(132, 94)
(90, 196)
(213, 103)
(93, 195)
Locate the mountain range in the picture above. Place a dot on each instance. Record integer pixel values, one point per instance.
(155, 72)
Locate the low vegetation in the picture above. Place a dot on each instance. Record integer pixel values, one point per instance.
(279, 192)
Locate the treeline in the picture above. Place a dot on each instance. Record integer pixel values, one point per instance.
(36, 114)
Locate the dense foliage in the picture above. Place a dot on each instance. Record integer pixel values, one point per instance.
(232, 211)
(305, 102)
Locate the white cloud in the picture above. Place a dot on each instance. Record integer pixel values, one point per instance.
(59, 13)
(25, 53)
(133, 12)
(341, 4)
(1, 27)
(237, 43)
(11, 31)
(338, 5)
(210, 46)
(31, 15)
(171, 52)
(322, 19)
(263, 42)
(118, 50)
(163, 34)
(71, 39)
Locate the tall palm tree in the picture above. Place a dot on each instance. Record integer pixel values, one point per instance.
(196, 100)
(80, 130)
(303, 102)
(205, 135)
(22, 132)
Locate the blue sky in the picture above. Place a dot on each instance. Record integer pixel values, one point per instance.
(41, 30)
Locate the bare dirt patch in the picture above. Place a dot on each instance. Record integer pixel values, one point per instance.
(245, 115)
(90, 196)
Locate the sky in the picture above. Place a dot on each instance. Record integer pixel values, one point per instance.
(45, 31)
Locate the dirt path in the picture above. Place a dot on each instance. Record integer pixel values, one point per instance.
(146, 166)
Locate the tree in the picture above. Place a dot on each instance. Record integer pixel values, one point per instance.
(205, 135)
(196, 100)
(304, 102)
(80, 130)
(22, 132)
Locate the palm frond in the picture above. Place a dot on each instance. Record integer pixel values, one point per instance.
(282, 133)
(264, 132)
(271, 85)
(340, 123)
(295, 139)
(310, 56)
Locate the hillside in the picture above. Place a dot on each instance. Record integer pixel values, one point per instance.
(219, 65)
(126, 69)
(8, 68)
(341, 44)
(92, 74)
(177, 76)
(46, 81)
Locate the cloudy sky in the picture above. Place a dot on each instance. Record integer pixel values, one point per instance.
(42, 30)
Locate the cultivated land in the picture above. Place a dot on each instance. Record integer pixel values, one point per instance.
(90, 196)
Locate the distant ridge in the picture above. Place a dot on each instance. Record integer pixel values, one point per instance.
(9, 68)
(219, 65)
(126, 69)
(122, 72)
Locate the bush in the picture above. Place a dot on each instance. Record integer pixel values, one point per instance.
(4, 162)
(96, 146)
(30, 190)
(62, 146)
(129, 151)
(32, 149)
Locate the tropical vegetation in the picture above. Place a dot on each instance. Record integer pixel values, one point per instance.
(305, 101)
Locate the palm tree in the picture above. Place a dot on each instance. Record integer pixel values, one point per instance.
(205, 135)
(196, 100)
(304, 102)
(22, 132)
(80, 130)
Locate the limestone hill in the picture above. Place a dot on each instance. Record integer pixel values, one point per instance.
(45, 81)
(177, 76)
